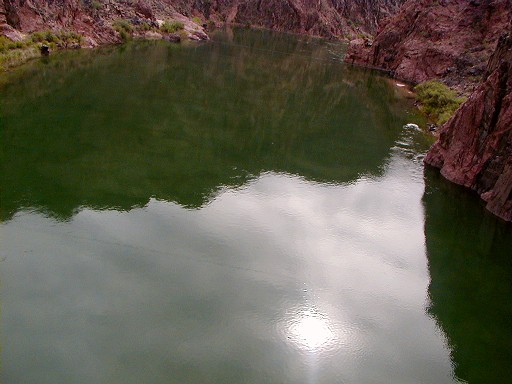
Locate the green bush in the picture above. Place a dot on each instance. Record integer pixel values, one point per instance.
(37, 37)
(171, 27)
(197, 20)
(437, 101)
(95, 4)
(124, 28)
(63, 39)
(144, 26)
(123, 24)
(5, 43)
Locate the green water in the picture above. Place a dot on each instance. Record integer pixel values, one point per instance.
(248, 210)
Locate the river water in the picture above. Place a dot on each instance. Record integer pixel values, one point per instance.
(247, 210)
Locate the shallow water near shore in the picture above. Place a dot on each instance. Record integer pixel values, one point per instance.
(247, 210)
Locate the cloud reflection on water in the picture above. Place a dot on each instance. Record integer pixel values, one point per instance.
(265, 277)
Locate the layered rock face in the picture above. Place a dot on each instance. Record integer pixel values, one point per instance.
(474, 148)
(92, 18)
(327, 18)
(447, 39)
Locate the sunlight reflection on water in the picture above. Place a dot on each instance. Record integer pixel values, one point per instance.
(312, 332)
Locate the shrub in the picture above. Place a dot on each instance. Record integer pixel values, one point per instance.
(62, 39)
(4, 43)
(172, 27)
(123, 24)
(197, 20)
(124, 28)
(69, 39)
(95, 4)
(37, 37)
(438, 101)
(145, 26)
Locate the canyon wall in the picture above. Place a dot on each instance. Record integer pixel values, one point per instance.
(327, 18)
(93, 18)
(446, 39)
(474, 148)
(90, 18)
(467, 45)
(415, 40)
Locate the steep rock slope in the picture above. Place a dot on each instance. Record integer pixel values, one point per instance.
(328, 18)
(475, 146)
(92, 18)
(448, 39)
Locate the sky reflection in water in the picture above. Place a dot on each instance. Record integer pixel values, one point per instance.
(280, 277)
(229, 216)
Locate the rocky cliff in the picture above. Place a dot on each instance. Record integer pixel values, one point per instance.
(93, 18)
(327, 18)
(447, 39)
(458, 41)
(474, 148)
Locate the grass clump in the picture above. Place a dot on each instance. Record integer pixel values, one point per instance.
(145, 26)
(124, 28)
(97, 5)
(63, 39)
(13, 53)
(15, 57)
(7, 44)
(197, 20)
(438, 101)
(171, 27)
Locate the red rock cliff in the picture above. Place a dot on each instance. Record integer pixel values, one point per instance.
(92, 18)
(475, 146)
(447, 39)
(328, 18)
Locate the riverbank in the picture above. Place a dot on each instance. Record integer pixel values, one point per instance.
(26, 27)
(420, 40)
(95, 20)
(467, 46)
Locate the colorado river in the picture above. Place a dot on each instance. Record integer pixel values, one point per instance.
(248, 210)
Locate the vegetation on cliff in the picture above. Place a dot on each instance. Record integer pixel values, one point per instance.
(437, 101)
(13, 53)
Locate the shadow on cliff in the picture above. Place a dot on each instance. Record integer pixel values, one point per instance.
(471, 280)
(113, 128)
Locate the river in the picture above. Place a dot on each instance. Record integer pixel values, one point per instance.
(246, 210)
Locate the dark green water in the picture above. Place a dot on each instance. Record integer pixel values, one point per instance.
(248, 210)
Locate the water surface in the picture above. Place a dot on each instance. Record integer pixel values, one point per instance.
(248, 210)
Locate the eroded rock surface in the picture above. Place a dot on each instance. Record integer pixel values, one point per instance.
(327, 18)
(447, 39)
(93, 18)
(474, 148)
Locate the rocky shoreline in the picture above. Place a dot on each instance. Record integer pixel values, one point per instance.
(450, 40)
(463, 43)
(468, 46)
(474, 148)
(93, 19)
